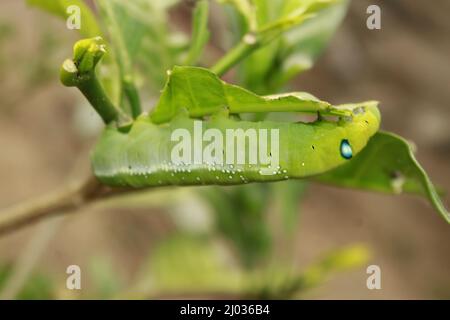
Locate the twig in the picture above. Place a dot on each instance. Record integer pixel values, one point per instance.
(243, 49)
(67, 200)
(257, 38)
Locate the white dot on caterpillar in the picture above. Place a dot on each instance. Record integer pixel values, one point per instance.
(230, 177)
(198, 178)
(303, 164)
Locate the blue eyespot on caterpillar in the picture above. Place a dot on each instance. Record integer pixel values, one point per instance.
(346, 149)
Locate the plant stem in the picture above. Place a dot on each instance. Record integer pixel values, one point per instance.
(132, 96)
(67, 200)
(257, 38)
(80, 72)
(55, 203)
(245, 47)
(94, 93)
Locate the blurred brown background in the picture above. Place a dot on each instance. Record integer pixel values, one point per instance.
(405, 65)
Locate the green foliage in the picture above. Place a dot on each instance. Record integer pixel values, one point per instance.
(140, 46)
(126, 34)
(143, 44)
(262, 36)
(287, 284)
(142, 49)
(241, 217)
(301, 47)
(185, 89)
(208, 267)
(80, 72)
(388, 165)
(269, 68)
(188, 263)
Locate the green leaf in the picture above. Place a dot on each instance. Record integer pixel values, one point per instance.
(267, 34)
(387, 164)
(201, 92)
(246, 9)
(145, 48)
(89, 27)
(200, 32)
(269, 68)
(126, 35)
(303, 45)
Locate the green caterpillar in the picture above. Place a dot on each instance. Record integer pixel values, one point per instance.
(142, 157)
(158, 149)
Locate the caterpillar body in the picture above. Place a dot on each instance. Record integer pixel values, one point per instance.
(143, 156)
